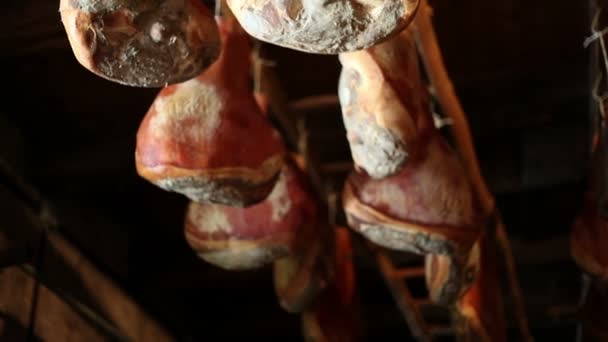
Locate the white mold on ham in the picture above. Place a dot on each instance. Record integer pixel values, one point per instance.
(245, 238)
(144, 43)
(207, 138)
(322, 26)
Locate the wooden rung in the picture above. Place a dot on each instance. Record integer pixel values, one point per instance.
(409, 310)
(411, 272)
(441, 330)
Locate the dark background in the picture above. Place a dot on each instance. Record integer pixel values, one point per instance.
(519, 68)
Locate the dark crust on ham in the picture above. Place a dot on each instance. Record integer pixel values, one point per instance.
(234, 192)
(374, 148)
(404, 235)
(448, 291)
(418, 242)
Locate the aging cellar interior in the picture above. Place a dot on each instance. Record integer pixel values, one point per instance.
(95, 244)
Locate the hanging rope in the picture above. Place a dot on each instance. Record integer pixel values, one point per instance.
(598, 35)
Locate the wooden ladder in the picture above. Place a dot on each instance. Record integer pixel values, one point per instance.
(411, 308)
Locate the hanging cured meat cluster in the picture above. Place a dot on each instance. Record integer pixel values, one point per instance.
(206, 136)
(409, 191)
(249, 201)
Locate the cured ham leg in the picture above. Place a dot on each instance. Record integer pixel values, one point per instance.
(421, 202)
(301, 276)
(141, 43)
(449, 277)
(207, 138)
(246, 238)
(481, 308)
(381, 95)
(426, 206)
(322, 26)
(334, 317)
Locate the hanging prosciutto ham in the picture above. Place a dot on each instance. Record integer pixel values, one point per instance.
(481, 306)
(335, 315)
(411, 192)
(448, 277)
(246, 238)
(321, 26)
(207, 138)
(381, 97)
(426, 206)
(144, 43)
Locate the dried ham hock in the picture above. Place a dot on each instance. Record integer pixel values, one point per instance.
(426, 208)
(380, 95)
(321, 26)
(299, 277)
(449, 277)
(335, 314)
(481, 307)
(427, 204)
(144, 43)
(207, 138)
(247, 238)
